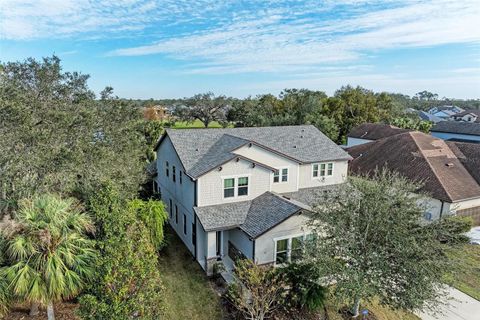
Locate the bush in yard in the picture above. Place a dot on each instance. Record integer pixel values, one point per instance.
(153, 214)
(49, 256)
(450, 230)
(127, 283)
(305, 290)
(370, 241)
(257, 291)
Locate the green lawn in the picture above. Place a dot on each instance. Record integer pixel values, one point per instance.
(195, 124)
(466, 277)
(189, 295)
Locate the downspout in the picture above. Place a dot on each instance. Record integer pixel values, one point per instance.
(253, 253)
(441, 210)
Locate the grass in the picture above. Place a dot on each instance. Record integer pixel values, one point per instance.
(379, 311)
(466, 275)
(189, 294)
(194, 125)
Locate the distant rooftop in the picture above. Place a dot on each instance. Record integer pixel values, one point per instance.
(471, 128)
(419, 157)
(375, 131)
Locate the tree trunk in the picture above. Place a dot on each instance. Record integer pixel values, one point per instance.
(33, 309)
(50, 312)
(356, 308)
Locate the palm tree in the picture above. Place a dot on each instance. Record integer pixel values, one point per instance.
(49, 255)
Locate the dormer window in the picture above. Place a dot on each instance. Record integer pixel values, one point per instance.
(174, 175)
(167, 170)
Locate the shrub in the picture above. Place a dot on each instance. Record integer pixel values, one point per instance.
(152, 213)
(257, 291)
(128, 283)
(451, 230)
(305, 289)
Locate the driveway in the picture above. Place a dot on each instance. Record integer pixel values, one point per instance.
(460, 307)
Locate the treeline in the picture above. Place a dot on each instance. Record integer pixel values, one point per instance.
(335, 116)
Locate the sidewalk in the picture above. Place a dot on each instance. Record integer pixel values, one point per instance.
(460, 307)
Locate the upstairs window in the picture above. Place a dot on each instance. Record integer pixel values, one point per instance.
(180, 175)
(243, 186)
(171, 209)
(280, 175)
(229, 188)
(167, 170)
(235, 187)
(322, 169)
(174, 176)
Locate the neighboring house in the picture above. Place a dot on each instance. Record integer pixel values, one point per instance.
(425, 116)
(156, 112)
(369, 132)
(467, 116)
(445, 112)
(430, 161)
(245, 192)
(457, 131)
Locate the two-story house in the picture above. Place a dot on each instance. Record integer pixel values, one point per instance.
(245, 192)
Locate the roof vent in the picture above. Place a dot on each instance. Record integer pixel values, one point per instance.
(449, 164)
(301, 136)
(294, 147)
(303, 130)
(196, 149)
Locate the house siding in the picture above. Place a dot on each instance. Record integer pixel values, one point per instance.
(459, 136)
(276, 161)
(182, 195)
(265, 244)
(356, 141)
(210, 185)
(340, 169)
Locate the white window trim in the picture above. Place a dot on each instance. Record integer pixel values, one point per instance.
(235, 186)
(326, 170)
(289, 247)
(280, 175)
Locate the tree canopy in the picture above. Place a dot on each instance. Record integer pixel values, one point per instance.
(56, 137)
(371, 242)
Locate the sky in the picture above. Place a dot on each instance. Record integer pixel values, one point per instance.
(177, 48)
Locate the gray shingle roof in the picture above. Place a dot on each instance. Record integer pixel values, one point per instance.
(259, 215)
(201, 150)
(309, 196)
(461, 127)
(254, 217)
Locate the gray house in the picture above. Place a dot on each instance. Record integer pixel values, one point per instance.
(457, 131)
(245, 192)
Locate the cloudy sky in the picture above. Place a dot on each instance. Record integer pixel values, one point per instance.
(175, 48)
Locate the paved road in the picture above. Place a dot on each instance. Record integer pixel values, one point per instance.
(460, 307)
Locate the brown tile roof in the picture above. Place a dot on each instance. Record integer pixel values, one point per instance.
(421, 158)
(469, 156)
(375, 131)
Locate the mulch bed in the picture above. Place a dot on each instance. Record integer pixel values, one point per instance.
(63, 311)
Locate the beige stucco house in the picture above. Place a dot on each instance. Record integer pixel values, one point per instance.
(245, 192)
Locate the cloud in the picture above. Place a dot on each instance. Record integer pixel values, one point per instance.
(228, 37)
(281, 39)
